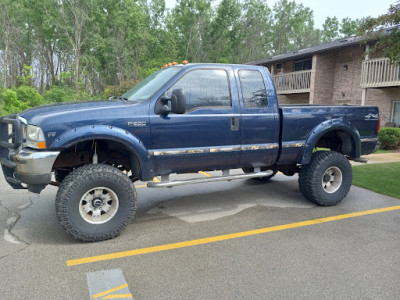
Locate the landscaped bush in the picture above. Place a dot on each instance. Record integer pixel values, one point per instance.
(389, 138)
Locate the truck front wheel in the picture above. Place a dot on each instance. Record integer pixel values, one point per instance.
(327, 179)
(95, 202)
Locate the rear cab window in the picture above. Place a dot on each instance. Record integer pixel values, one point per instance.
(253, 89)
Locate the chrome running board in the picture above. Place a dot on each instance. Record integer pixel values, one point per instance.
(166, 183)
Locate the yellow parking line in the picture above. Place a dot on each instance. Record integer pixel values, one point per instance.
(140, 186)
(219, 238)
(119, 296)
(110, 291)
(205, 174)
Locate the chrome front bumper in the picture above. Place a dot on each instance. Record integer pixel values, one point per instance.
(34, 167)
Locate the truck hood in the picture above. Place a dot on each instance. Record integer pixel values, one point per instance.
(63, 111)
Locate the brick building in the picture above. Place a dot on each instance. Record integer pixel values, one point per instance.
(337, 73)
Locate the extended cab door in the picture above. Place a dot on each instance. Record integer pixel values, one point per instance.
(207, 135)
(259, 117)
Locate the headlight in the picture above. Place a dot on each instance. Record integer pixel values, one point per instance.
(35, 137)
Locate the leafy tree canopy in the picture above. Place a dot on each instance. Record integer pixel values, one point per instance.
(389, 43)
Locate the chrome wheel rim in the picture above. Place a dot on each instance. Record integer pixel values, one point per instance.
(98, 205)
(332, 180)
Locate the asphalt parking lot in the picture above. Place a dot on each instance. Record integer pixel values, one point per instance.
(227, 240)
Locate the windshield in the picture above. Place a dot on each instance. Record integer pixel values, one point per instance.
(146, 88)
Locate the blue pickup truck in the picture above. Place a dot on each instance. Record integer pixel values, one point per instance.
(181, 119)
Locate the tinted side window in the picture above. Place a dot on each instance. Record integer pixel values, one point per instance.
(204, 88)
(253, 89)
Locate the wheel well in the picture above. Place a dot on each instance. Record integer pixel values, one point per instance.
(339, 141)
(108, 152)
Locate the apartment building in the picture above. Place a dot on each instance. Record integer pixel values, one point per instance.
(342, 72)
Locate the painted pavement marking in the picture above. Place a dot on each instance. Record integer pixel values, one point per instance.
(205, 174)
(219, 238)
(108, 284)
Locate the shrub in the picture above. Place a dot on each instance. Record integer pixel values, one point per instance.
(29, 95)
(389, 138)
(9, 102)
(59, 94)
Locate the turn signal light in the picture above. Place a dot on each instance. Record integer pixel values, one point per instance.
(41, 145)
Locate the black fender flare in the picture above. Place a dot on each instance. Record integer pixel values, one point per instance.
(325, 127)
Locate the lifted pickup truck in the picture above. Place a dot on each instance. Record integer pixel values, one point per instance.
(181, 119)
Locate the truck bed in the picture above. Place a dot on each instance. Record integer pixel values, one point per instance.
(299, 122)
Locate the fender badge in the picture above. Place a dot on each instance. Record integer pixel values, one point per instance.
(372, 117)
(137, 124)
(51, 134)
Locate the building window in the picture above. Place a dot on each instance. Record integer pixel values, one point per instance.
(278, 66)
(302, 65)
(396, 113)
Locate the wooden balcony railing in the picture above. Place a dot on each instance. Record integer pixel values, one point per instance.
(379, 72)
(292, 83)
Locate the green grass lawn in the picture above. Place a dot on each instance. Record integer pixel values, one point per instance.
(383, 151)
(380, 178)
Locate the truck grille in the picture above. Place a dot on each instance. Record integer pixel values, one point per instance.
(10, 132)
(10, 139)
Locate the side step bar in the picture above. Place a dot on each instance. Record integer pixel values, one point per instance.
(226, 177)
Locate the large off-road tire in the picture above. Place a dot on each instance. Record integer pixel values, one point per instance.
(262, 179)
(327, 179)
(95, 203)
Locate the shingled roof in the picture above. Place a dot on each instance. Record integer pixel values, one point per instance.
(307, 52)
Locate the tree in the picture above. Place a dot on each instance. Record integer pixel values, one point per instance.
(223, 30)
(293, 27)
(330, 30)
(189, 22)
(254, 37)
(349, 27)
(11, 31)
(71, 18)
(389, 43)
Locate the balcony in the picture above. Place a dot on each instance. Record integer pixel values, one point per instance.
(293, 83)
(378, 73)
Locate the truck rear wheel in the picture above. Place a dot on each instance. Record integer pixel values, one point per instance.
(95, 203)
(327, 179)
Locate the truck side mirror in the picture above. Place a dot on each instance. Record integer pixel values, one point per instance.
(162, 107)
(178, 103)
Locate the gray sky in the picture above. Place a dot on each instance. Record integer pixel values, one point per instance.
(354, 9)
